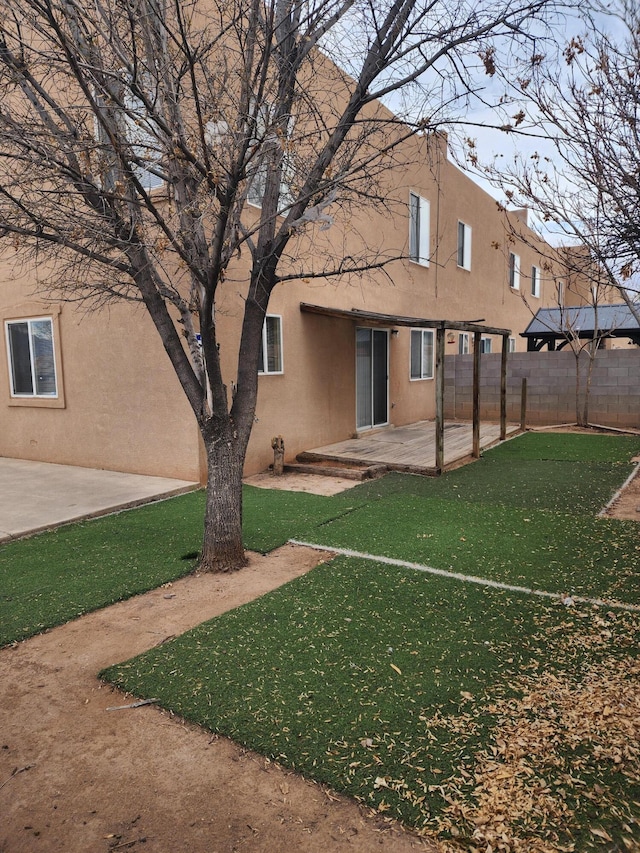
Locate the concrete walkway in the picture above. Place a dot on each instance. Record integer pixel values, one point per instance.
(38, 495)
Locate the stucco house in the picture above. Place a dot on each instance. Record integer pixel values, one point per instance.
(96, 389)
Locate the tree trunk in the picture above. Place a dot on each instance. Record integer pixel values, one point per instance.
(578, 386)
(593, 349)
(222, 548)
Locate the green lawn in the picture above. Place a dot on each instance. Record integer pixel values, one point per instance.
(430, 699)
(58, 575)
(385, 684)
(468, 712)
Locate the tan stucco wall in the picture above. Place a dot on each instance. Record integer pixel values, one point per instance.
(313, 402)
(122, 407)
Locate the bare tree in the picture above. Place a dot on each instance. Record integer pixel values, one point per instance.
(168, 152)
(581, 287)
(579, 327)
(584, 100)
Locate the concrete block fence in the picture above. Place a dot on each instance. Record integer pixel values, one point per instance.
(614, 398)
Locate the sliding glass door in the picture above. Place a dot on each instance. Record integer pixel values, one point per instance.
(372, 377)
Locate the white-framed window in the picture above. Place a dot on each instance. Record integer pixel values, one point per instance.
(560, 288)
(485, 345)
(31, 356)
(421, 354)
(143, 142)
(463, 343)
(511, 345)
(145, 156)
(535, 281)
(271, 352)
(419, 215)
(264, 137)
(464, 246)
(514, 271)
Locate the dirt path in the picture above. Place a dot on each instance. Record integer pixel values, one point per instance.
(627, 504)
(140, 780)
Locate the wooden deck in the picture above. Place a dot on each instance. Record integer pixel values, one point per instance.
(412, 447)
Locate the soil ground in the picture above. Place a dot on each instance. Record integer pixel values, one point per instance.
(76, 777)
(627, 503)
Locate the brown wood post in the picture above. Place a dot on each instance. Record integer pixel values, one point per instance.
(523, 405)
(440, 349)
(477, 338)
(503, 388)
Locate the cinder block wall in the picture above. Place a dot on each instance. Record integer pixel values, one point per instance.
(614, 398)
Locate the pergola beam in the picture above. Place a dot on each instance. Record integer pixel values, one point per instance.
(376, 318)
(478, 329)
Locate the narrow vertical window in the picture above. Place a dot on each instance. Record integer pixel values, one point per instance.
(421, 354)
(463, 343)
(418, 229)
(511, 345)
(514, 271)
(464, 246)
(267, 139)
(485, 345)
(560, 286)
(143, 142)
(31, 356)
(535, 281)
(144, 157)
(270, 360)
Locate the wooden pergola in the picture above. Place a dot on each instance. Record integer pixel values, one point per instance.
(372, 318)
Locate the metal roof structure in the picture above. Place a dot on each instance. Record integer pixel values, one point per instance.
(584, 322)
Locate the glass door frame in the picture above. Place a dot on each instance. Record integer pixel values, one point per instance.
(371, 401)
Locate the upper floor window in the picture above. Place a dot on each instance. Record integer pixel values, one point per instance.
(143, 142)
(464, 246)
(511, 345)
(271, 352)
(535, 281)
(485, 345)
(418, 229)
(30, 350)
(463, 343)
(266, 137)
(421, 354)
(122, 109)
(514, 270)
(560, 286)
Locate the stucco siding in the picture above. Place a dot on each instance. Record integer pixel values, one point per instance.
(123, 407)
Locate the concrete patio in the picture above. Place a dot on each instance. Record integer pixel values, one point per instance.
(38, 495)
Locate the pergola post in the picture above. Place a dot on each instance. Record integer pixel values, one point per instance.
(440, 349)
(503, 388)
(477, 345)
